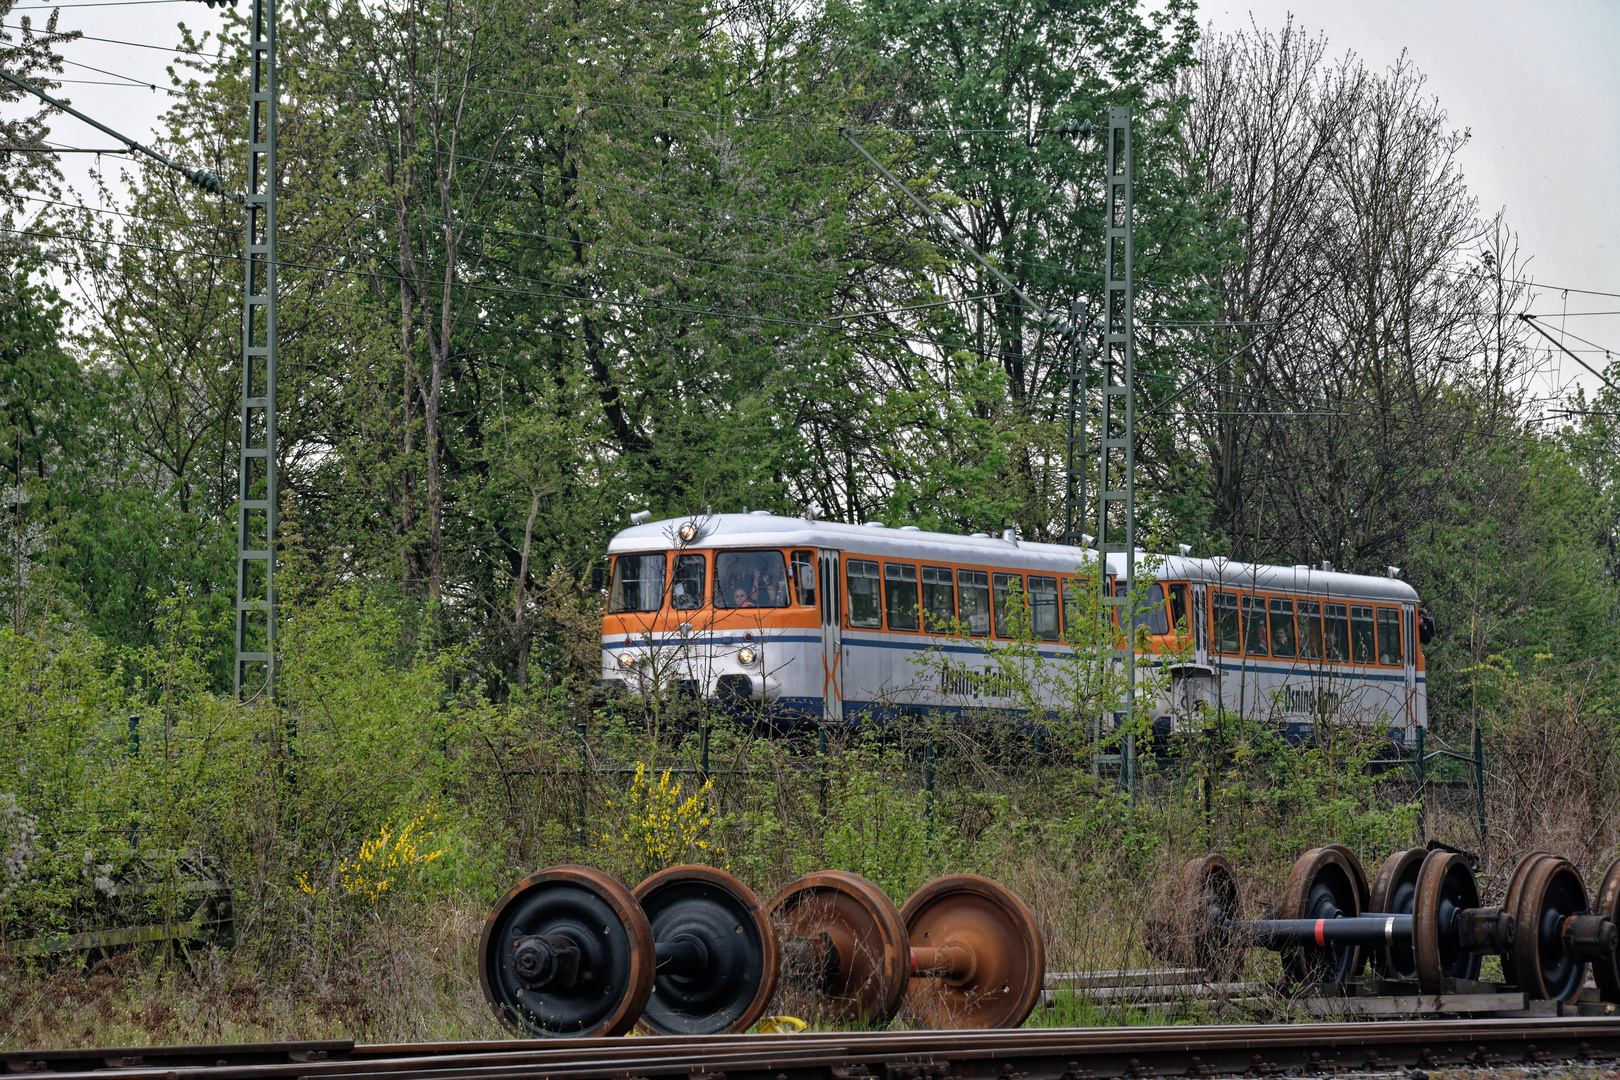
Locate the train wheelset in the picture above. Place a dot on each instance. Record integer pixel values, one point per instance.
(1419, 921)
(571, 952)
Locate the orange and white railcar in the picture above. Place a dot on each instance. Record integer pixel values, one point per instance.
(826, 621)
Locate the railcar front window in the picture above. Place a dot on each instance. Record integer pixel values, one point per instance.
(938, 598)
(1282, 627)
(691, 572)
(804, 577)
(1254, 625)
(750, 579)
(975, 586)
(1310, 630)
(865, 607)
(900, 595)
(1002, 587)
(1336, 633)
(1226, 622)
(1362, 638)
(638, 583)
(1043, 607)
(1389, 636)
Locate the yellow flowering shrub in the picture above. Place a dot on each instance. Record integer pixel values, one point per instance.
(657, 825)
(381, 861)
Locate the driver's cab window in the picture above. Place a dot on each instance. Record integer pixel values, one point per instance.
(750, 579)
(686, 592)
(804, 577)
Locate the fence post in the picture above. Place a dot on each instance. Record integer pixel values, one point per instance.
(1479, 782)
(928, 788)
(584, 761)
(1422, 790)
(703, 752)
(821, 777)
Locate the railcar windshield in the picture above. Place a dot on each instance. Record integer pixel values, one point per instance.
(686, 594)
(745, 579)
(638, 583)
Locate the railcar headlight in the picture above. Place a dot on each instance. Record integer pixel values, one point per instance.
(626, 660)
(688, 531)
(746, 655)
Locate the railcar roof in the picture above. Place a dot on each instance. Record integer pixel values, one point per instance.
(771, 530)
(743, 530)
(1240, 577)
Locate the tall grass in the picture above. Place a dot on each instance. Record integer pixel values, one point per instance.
(370, 817)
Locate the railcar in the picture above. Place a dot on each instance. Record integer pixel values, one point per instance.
(827, 621)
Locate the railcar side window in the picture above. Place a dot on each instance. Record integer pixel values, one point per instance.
(1310, 629)
(1282, 627)
(1002, 587)
(1389, 636)
(804, 577)
(1361, 634)
(638, 583)
(1043, 607)
(691, 571)
(865, 609)
(745, 579)
(938, 599)
(900, 595)
(1150, 616)
(1070, 591)
(1226, 622)
(1254, 625)
(975, 586)
(1179, 616)
(1336, 633)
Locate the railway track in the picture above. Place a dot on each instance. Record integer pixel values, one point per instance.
(1028, 1054)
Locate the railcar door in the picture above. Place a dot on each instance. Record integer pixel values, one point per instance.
(832, 636)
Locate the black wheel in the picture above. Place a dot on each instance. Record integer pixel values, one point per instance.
(1445, 887)
(1393, 893)
(567, 952)
(717, 954)
(1606, 972)
(1549, 892)
(1325, 883)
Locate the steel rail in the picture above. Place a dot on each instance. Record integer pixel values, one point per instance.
(1032, 1054)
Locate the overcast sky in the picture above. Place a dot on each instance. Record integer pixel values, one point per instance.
(1538, 85)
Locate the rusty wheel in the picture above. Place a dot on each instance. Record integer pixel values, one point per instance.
(843, 947)
(567, 952)
(716, 953)
(1510, 904)
(1545, 892)
(1393, 893)
(1325, 883)
(978, 959)
(1206, 896)
(1606, 973)
(1445, 886)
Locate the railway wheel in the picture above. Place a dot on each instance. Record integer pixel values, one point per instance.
(567, 952)
(843, 948)
(716, 953)
(1325, 883)
(1207, 896)
(1548, 898)
(1445, 887)
(1606, 972)
(977, 955)
(1510, 904)
(1393, 892)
